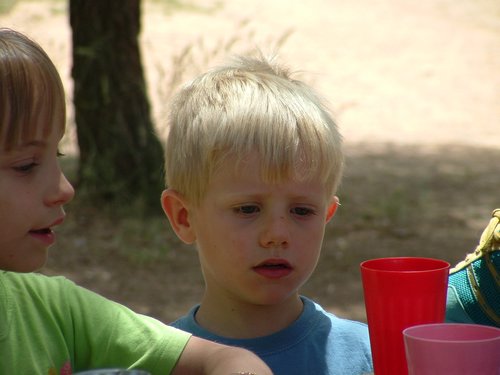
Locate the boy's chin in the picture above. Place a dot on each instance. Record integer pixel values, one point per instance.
(33, 264)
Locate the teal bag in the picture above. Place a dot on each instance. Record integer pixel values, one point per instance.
(474, 283)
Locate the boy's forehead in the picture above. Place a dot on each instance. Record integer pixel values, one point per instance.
(239, 160)
(248, 178)
(251, 162)
(36, 138)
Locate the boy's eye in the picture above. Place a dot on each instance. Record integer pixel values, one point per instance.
(302, 211)
(246, 210)
(25, 168)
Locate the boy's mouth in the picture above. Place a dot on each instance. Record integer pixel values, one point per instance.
(48, 229)
(274, 268)
(44, 235)
(41, 231)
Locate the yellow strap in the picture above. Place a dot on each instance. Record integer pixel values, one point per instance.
(489, 242)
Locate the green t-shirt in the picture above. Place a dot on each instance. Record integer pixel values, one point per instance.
(49, 325)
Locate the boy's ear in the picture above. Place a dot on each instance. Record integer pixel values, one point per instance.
(175, 207)
(334, 204)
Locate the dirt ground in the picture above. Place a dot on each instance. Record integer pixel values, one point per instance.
(415, 87)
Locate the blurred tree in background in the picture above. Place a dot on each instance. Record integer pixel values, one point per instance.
(121, 158)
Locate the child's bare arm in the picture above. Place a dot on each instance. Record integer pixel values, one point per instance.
(208, 358)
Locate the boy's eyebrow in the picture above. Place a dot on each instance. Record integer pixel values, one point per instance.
(34, 143)
(22, 146)
(257, 194)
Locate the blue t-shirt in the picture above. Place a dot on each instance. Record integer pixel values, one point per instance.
(318, 342)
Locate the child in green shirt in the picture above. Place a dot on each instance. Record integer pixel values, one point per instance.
(48, 325)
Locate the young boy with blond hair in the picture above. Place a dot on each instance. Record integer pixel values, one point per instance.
(253, 161)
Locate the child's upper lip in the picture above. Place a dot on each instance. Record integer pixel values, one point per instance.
(274, 262)
(57, 222)
(54, 223)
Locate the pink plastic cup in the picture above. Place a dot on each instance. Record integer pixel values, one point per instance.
(458, 349)
(399, 293)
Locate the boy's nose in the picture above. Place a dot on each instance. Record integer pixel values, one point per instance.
(275, 233)
(63, 193)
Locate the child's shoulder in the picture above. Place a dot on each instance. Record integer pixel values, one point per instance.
(33, 278)
(335, 322)
(34, 284)
(343, 336)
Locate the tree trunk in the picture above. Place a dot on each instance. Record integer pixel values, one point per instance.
(121, 158)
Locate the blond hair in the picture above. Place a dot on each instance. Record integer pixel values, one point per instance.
(32, 101)
(250, 104)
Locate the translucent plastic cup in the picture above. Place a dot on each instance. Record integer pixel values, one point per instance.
(458, 349)
(399, 293)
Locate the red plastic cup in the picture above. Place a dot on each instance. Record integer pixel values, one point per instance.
(458, 349)
(401, 292)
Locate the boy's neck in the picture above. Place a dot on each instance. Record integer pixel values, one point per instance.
(244, 321)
